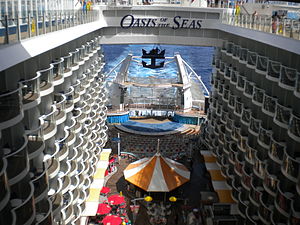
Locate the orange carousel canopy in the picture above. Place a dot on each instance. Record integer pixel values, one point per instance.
(157, 174)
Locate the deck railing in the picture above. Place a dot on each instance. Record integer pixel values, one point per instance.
(14, 29)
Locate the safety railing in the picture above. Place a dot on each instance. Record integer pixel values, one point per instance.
(276, 25)
(14, 29)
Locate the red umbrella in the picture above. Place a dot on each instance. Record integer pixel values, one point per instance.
(105, 190)
(112, 220)
(103, 209)
(116, 200)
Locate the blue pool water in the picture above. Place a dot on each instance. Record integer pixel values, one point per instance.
(199, 58)
(152, 127)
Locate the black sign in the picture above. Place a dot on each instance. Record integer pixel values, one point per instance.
(177, 22)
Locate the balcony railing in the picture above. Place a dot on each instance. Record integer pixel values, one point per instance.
(284, 198)
(10, 108)
(294, 127)
(290, 167)
(49, 126)
(30, 92)
(254, 126)
(269, 105)
(58, 71)
(288, 78)
(297, 86)
(262, 64)
(46, 80)
(67, 65)
(40, 181)
(16, 28)
(283, 27)
(233, 77)
(282, 115)
(251, 59)
(243, 55)
(276, 150)
(36, 142)
(264, 137)
(258, 96)
(273, 73)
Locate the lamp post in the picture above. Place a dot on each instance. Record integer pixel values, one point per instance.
(135, 208)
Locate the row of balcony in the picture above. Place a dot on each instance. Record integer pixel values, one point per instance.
(288, 78)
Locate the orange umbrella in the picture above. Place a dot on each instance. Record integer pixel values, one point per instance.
(112, 220)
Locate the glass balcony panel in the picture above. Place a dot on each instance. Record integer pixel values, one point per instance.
(10, 106)
(264, 136)
(30, 90)
(269, 103)
(254, 125)
(40, 182)
(277, 149)
(232, 100)
(294, 127)
(262, 63)
(243, 54)
(284, 199)
(291, 166)
(297, 86)
(222, 67)
(25, 211)
(75, 58)
(224, 116)
(238, 106)
(58, 69)
(46, 78)
(216, 84)
(218, 63)
(233, 77)
(241, 82)
(288, 77)
(249, 86)
(67, 63)
(273, 70)
(282, 115)
(60, 102)
(229, 47)
(229, 124)
(227, 71)
(251, 59)
(226, 95)
(250, 153)
(259, 167)
(246, 115)
(258, 95)
(236, 51)
(221, 89)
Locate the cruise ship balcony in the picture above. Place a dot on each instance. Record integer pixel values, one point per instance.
(57, 202)
(242, 205)
(256, 191)
(259, 165)
(58, 71)
(240, 85)
(40, 182)
(238, 107)
(236, 189)
(269, 105)
(49, 126)
(273, 73)
(70, 99)
(265, 209)
(264, 137)
(69, 215)
(5, 192)
(295, 215)
(236, 52)
(74, 63)
(66, 184)
(23, 204)
(17, 162)
(290, 166)
(234, 77)
(239, 164)
(252, 215)
(284, 197)
(31, 96)
(36, 144)
(251, 59)
(278, 218)
(258, 96)
(270, 181)
(55, 186)
(249, 87)
(226, 94)
(288, 78)
(67, 65)
(243, 55)
(250, 154)
(229, 123)
(254, 126)
(53, 167)
(76, 86)
(246, 177)
(63, 147)
(43, 212)
(294, 127)
(246, 116)
(297, 86)
(10, 108)
(282, 115)
(46, 81)
(229, 48)
(60, 104)
(261, 65)
(231, 102)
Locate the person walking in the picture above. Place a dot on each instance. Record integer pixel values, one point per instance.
(193, 217)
